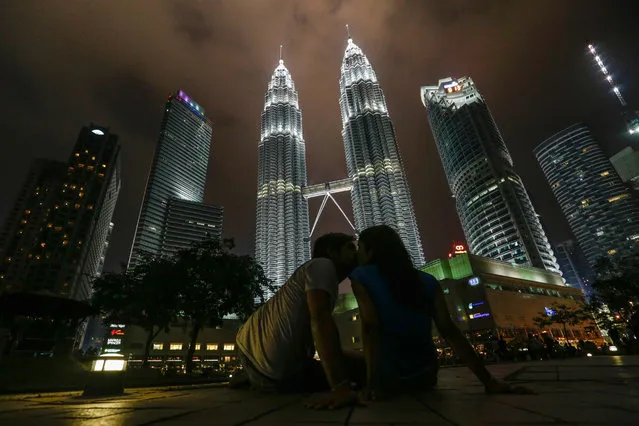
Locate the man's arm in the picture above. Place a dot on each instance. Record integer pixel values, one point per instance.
(370, 334)
(457, 340)
(326, 338)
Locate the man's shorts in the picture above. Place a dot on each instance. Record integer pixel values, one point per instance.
(310, 379)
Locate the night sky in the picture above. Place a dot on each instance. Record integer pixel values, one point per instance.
(65, 64)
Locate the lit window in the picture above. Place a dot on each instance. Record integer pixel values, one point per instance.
(617, 198)
(158, 346)
(27, 212)
(77, 155)
(43, 244)
(175, 346)
(81, 194)
(197, 346)
(23, 221)
(227, 359)
(211, 347)
(355, 339)
(65, 242)
(229, 346)
(604, 174)
(611, 252)
(355, 317)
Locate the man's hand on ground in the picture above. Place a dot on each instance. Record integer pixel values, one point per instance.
(497, 387)
(333, 400)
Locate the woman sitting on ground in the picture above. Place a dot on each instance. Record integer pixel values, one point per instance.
(398, 304)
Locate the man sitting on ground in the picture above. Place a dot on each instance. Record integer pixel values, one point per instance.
(277, 343)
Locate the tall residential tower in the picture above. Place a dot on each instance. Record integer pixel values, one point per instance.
(602, 212)
(380, 193)
(177, 177)
(282, 227)
(56, 236)
(496, 214)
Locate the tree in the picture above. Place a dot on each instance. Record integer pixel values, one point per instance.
(563, 315)
(215, 283)
(617, 283)
(146, 296)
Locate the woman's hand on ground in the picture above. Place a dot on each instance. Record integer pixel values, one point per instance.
(333, 400)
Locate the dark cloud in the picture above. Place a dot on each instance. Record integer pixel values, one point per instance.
(62, 68)
(130, 99)
(191, 21)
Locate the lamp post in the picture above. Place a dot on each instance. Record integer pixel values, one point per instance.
(106, 376)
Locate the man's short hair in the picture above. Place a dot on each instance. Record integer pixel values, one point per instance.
(333, 241)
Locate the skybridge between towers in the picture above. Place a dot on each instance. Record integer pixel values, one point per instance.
(327, 190)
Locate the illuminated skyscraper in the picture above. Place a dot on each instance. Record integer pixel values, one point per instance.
(602, 212)
(495, 211)
(56, 237)
(282, 227)
(380, 193)
(178, 173)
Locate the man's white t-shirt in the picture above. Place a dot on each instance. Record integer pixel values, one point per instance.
(277, 339)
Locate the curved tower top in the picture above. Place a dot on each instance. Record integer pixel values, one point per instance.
(380, 193)
(494, 208)
(282, 212)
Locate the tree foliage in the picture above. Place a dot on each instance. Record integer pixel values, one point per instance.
(563, 315)
(216, 283)
(198, 288)
(617, 282)
(145, 296)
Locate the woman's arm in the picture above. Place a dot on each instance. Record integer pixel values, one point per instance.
(370, 334)
(462, 347)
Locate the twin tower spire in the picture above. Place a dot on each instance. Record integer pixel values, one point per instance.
(380, 192)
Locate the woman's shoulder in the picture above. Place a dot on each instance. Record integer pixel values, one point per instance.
(426, 277)
(363, 272)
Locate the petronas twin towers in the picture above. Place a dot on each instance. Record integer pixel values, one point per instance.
(376, 178)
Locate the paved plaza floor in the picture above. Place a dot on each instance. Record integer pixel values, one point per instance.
(592, 391)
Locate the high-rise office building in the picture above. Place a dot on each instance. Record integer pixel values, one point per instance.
(575, 273)
(282, 227)
(177, 177)
(56, 236)
(626, 163)
(602, 212)
(496, 214)
(380, 193)
(188, 222)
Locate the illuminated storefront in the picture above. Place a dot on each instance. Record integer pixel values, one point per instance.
(486, 295)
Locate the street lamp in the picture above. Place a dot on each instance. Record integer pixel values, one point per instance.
(106, 376)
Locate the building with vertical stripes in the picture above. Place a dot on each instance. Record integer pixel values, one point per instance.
(602, 212)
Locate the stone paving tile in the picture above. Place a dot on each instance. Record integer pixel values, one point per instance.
(242, 412)
(403, 411)
(478, 410)
(595, 392)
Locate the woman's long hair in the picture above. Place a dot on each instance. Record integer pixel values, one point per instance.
(394, 263)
